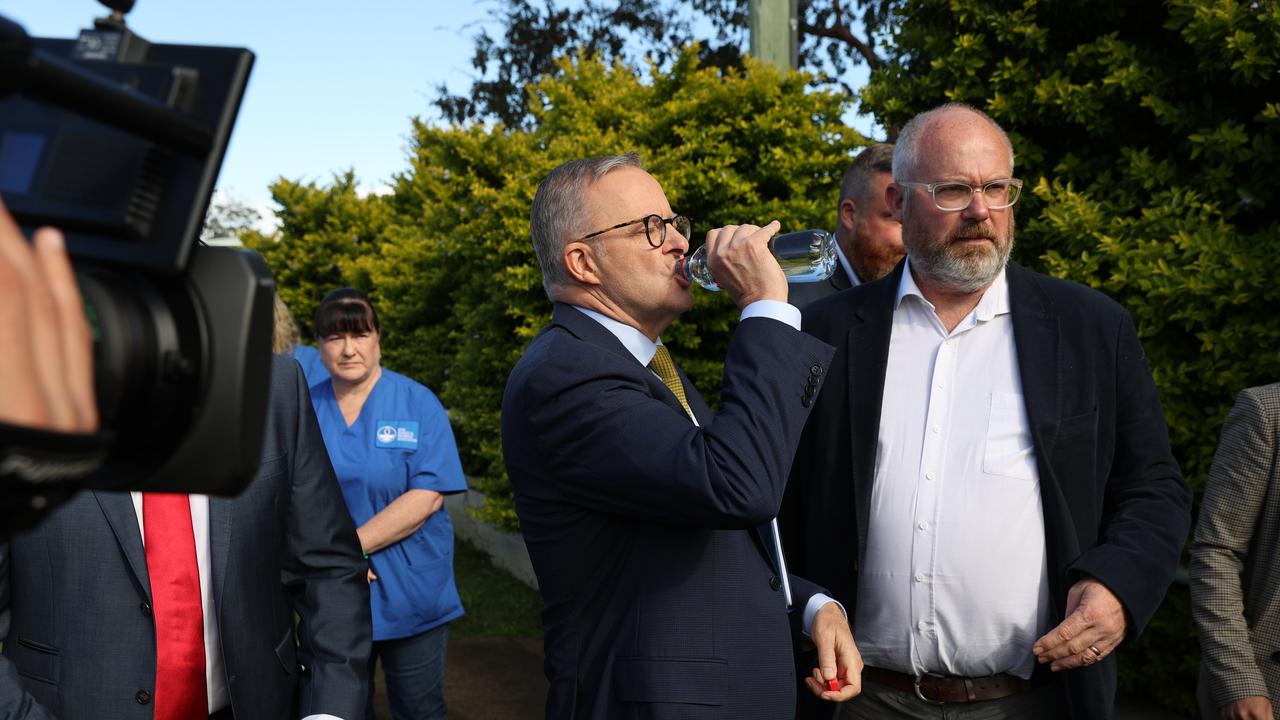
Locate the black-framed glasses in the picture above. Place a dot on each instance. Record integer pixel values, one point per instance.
(956, 196)
(655, 228)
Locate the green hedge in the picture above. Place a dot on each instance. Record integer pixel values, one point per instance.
(1147, 132)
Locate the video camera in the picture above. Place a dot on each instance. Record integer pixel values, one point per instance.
(117, 142)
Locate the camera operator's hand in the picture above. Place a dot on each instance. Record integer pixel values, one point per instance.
(46, 367)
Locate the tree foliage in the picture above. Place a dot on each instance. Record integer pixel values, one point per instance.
(531, 36)
(447, 255)
(1147, 132)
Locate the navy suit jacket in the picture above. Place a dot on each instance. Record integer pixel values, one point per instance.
(75, 599)
(1116, 508)
(660, 598)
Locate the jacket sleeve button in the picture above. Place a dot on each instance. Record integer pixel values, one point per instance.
(143, 697)
(775, 583)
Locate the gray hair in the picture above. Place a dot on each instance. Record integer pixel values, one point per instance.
(869, 163)
(905, 153)
(558, 206)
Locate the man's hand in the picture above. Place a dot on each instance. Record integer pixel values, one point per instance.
(838, 656)
(1254, 707)
(743, 266)
(1094, 626)
(46, 369)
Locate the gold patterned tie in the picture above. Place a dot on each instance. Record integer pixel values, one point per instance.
(665, 367)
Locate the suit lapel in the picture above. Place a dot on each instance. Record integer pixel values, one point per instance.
(867, 351)
(220, 515)
(1036, 340)
(123, 519)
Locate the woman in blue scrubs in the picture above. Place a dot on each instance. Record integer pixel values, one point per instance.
(394, 454)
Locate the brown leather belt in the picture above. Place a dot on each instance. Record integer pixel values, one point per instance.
(949, 689)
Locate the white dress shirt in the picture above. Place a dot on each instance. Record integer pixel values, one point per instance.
(215, 675)
(955, 576)
(643, 349)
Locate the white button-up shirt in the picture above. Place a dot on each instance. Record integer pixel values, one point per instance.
(955, 577)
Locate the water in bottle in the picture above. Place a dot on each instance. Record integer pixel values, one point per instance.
(805, 256)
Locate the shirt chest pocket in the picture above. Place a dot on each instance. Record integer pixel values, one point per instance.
(1009, 451)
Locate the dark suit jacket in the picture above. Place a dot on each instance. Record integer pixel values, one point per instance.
(75, 600)
(1115, 505)
(804, 294)
(660, 600)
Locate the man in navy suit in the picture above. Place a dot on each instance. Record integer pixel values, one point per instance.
(989, 456)
(285, 614)
(642, 510)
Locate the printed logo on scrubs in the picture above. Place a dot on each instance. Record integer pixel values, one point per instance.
(397, 434)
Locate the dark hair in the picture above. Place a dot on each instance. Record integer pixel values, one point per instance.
(346, 310)
(869, 163)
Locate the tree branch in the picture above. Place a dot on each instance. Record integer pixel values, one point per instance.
(842, 32)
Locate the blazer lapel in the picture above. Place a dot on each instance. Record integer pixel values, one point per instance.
(1037, 343)
(123, 519)
(220, 514)
(867, 351)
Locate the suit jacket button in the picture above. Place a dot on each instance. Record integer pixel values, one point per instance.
(146, 609)
(775, 583)
(143, 697)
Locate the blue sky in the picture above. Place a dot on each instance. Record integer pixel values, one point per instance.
(334, 83)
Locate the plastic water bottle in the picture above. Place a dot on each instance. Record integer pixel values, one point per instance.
(806, 256)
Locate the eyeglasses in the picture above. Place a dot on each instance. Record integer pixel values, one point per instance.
(955, 196)
(655, 228)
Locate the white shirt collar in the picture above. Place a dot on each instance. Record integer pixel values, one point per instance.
(844, 263)
(636, 343)
(995, 301)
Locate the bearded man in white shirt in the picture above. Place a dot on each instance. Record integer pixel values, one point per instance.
(986, 482)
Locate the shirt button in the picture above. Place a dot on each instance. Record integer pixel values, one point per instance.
(942, 386)
(919, 577)
(930, 476)
(924, 525)
(922, 625)
(937, 429)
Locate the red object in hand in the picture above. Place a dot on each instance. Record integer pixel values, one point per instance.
(833, 685)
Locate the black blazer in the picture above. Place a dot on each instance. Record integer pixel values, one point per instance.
(75, 599)
(1116, 507)
(804, 294)
(659, 598)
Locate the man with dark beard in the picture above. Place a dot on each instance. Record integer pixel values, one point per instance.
(868, 235)
(986, 481)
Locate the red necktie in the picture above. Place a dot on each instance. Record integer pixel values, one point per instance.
(180, 692)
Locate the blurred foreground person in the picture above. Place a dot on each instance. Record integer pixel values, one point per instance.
(1009, 510)
(1235, 566)
(642, 510)
(393, 451)
(157, 605)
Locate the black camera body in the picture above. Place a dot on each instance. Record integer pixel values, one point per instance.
(118, 142)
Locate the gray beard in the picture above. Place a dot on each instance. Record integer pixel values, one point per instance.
(966, 273)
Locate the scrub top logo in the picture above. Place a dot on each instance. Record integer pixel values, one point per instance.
(397, 434)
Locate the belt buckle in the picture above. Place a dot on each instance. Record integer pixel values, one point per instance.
(915, 684)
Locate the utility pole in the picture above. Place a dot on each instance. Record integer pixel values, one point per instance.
(773, 25)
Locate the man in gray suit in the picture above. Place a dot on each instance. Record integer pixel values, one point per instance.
(80, 610)
(868, 237)
(1235, 569)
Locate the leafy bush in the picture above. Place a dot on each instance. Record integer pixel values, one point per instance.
(1147, 132)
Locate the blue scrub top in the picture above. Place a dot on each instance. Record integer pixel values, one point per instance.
(312, 369)
(400, 441)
